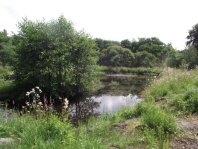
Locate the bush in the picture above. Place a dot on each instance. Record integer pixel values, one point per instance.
(191, 100)
(40, 132)
(179, 89)
(162, 123)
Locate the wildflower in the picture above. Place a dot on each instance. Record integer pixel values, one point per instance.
(65, 107)
(37, 87)
(65, 103)
(40, 103)
(27, 103)
(27, 93)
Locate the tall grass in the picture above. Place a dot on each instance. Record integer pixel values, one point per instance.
(178, 88)
(40, 132)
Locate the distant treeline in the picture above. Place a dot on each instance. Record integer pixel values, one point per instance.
(145, 52)
(63, 61)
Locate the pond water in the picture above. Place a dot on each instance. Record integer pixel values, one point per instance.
(115, 92)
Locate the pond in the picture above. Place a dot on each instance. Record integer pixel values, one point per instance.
(115, 92)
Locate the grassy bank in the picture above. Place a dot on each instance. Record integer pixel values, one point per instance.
(176, 90)
(128, 70)
(150, 124)
(127, 128)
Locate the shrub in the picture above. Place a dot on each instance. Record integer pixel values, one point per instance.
(160, 121)
(40, 132)
(191, 100)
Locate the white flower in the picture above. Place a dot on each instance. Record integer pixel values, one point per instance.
(37, 87)
(27, 103)
(27, 93)
(40, 103)
(66, 101)
(65, 107)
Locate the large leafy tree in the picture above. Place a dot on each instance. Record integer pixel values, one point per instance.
(54, 56)
(193, 37)
(116, 56)
(7, 53)
(145, 59)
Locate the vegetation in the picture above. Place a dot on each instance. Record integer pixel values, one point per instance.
(7, 52)
(101, 132)
(55, 57)
(146, 52)
(178, 89)
(188, 58)
(128, 70)
(63, 62)
(40, 132)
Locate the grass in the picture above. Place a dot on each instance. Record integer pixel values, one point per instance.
(129, 70)
(40, 132)
(145, 124)
(177, 89)
(150, 124)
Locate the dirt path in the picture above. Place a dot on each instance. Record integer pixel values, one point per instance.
(188, 138)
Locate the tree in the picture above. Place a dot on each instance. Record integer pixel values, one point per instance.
(190, 55)
(145, 59)
(55, 57)
(175, 59)
(104, 44)
(7, 53)
(116, 56)
(126, 44)
(193, 37)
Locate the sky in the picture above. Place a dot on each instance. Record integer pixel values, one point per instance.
(169, 20)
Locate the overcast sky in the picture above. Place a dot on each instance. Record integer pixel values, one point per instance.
(169, 20)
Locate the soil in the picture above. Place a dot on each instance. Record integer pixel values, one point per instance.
(188, 137)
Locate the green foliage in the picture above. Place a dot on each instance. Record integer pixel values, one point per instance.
(7, 52)
(126, 44)
(7, 86)
(160, 121)
(129, 70)
(190, 57)
(193, 37)
(39, 133)
(116, 56)
(104, 44)
(175, 59)
(55, 57)
(178, 89)
(145, 59)
(149, 52)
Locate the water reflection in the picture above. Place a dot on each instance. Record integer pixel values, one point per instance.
(123, 85)
(110, 104)
(115, 92)
(82, 109)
